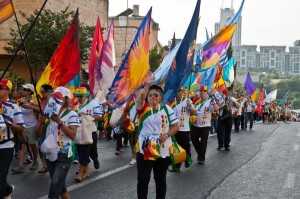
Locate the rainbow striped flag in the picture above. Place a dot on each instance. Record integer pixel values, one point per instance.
(196, 101)
(6, 10)
(134, 68)
(217, 45)
(64, 64)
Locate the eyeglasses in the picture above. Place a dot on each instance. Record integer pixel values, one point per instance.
(202, 90)
(153, 95)
(26, 89)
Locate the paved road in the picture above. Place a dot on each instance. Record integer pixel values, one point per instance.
(262, 163)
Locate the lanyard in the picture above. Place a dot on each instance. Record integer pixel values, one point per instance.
(202, 103)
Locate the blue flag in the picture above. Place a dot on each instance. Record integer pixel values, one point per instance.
(208, 77)
(182, 66)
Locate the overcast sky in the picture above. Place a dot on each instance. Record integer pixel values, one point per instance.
(265, 22)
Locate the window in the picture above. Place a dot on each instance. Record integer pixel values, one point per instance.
(272, 63)
(243, 62)
(243, 54)
(266, 50)
(296, 68)
(272, 54)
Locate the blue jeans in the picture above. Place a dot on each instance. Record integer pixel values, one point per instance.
(144, 168)
(58, 171)
(213, 128)
(249, 116)
(6, 156)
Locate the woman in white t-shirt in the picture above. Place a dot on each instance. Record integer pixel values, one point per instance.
(157, 123)
(64, 129)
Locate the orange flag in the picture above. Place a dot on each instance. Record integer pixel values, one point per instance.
(6, 10)
(64, 64)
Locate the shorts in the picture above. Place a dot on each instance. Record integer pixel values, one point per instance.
(84, 153)
(30, 134)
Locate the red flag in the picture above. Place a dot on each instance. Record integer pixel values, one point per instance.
(64, 64)
(219, 73)
(95, 53)
(261, 98)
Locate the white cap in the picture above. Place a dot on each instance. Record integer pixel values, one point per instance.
(29, 86)
(65, 92)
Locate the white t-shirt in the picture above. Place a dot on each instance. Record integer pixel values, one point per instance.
(204, 110)
(182, 112)
(91, 107)
(29, 116)
(64, 142)
(153, 124)
(17, 119)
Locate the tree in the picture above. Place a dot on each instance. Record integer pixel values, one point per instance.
(46, 35)
(155, 58)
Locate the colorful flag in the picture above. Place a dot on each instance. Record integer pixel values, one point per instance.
(217, 45)
(64, 64)
(283, 101)
(134, 68)
(250, 87)
(74, 83)
(6, 10)
(228, 71)
(104, 70)
(224, 59)
(261, 98)
(184, 59)
(95, 54)
(208, 77)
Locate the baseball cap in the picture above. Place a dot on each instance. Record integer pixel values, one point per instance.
(6, 82)
(81, 92)
(203, 88)
(65, 92)
(29, 86)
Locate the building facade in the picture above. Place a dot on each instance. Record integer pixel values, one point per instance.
(88, 13)
(246, 56)
(294, 58)
(126, 25)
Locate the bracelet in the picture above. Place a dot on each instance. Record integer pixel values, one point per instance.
(61, 124)
(168, 134)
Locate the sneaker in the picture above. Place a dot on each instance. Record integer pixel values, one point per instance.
(18, 170)
(200, 161)
(132, 162)
(9, 196)
(75, 162)
(34, 167)
(118, 152)
(96, 164)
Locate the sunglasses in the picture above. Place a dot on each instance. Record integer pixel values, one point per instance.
(202, 90)
(153, 95)
(26, 89)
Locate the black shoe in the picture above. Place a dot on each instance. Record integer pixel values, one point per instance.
(96, 164)
(237, 131)
(219, 148)
(227, 149)
(187, 164)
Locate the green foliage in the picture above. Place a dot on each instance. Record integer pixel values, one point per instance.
(155, 58)
(47, 34)
(296, 103)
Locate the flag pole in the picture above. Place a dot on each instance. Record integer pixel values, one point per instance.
(27, 59)
(23, 40)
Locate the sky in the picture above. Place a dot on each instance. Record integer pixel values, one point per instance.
(265, 22)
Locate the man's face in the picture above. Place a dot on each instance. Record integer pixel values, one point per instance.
(4, 91)
(180, 94)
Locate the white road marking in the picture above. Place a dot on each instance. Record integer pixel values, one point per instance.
(290, 180)
(88, 181)
(296, 147)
